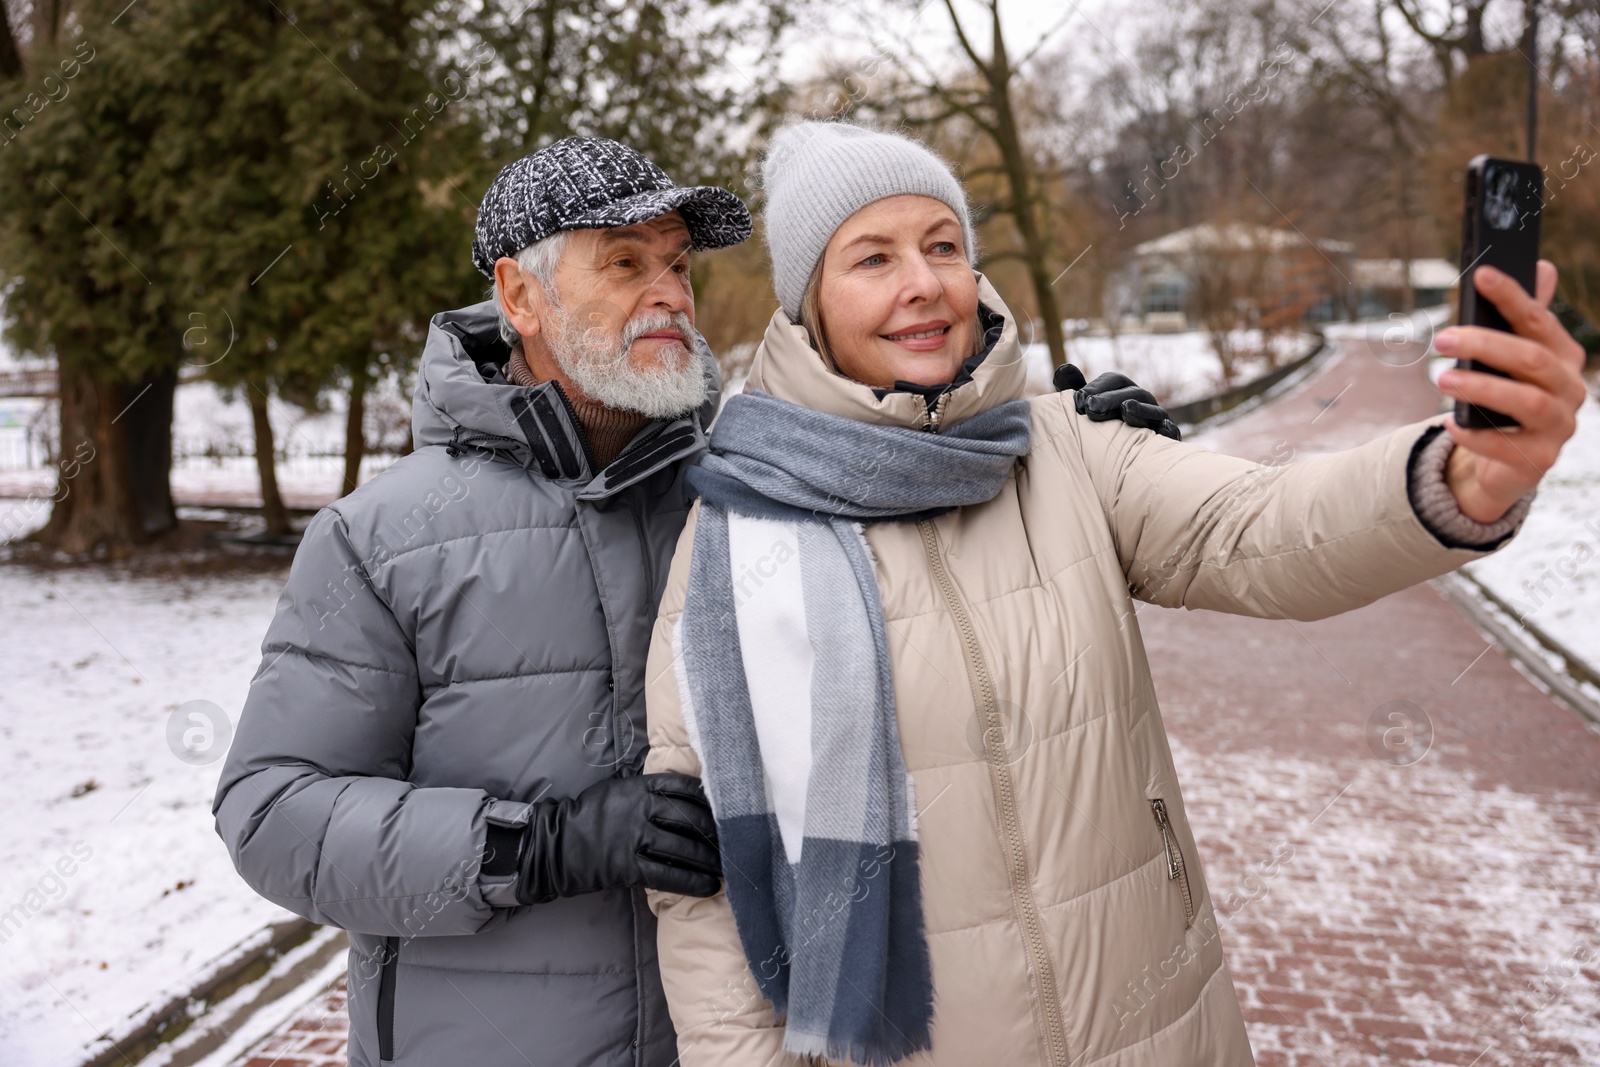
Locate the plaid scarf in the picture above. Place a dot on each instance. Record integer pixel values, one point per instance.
(788, 698)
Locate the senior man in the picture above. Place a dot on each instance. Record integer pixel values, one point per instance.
(441, 750)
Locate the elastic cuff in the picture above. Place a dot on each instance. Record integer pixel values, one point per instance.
(506, 825)
(1435, 505)
(502, 846)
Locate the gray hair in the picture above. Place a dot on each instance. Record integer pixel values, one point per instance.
(540, 260)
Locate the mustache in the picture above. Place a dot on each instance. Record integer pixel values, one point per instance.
(654, 321)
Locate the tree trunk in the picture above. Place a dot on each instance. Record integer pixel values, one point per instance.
(355, 440)
(10, 58)
(1222, 345)
(1019, 177)
(1044, 292)
(272, 508)
(47, 17)
(94, 500)
(547, 50)
(147, 428)
(1403, 171)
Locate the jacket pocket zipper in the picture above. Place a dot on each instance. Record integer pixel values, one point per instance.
(1177, 869)
(391, 962)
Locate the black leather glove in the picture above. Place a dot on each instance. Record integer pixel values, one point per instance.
(1115, 396)
(651, 830)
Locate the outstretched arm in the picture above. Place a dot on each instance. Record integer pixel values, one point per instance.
(1313, 538)
(1302, 540)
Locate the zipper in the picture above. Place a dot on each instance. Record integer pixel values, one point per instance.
(487, 441)
(1177, 869)
(935, 413)
(619, 721)
(644, 545)
(577, 427)
(1005, 800)
(639, 443)
(391, 963)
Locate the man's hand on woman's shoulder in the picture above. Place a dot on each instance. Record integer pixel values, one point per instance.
(1115, 396)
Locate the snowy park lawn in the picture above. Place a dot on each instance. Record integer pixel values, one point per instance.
(1549, 575)
(1176, 367)
(115, 891)
(213, 443)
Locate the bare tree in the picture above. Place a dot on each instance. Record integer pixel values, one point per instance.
(1229, 266)
(1485, 55)
(1363, 67)
(1460, 38)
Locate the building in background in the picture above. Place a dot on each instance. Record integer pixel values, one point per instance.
(1381, 285)
(1235, 274)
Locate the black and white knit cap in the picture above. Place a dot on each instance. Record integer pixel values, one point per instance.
(582, 183)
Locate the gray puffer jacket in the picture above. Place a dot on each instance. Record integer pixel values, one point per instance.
(461, 636)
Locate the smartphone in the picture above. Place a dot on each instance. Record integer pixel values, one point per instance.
(1500, 228)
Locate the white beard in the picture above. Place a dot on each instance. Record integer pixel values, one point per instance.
(600, 365)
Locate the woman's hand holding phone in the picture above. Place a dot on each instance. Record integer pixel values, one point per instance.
(1491, 469)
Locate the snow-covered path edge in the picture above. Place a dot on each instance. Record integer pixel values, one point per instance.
(115, 892)
(1548, 578)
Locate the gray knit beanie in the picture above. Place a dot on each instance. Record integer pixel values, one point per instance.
(817, 174)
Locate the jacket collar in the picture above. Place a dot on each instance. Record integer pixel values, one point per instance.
(787, 367)
(462, 401)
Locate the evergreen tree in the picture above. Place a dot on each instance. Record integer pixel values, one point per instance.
(325, 222)
(283, 196)
(685, 82)
(230, 171)
(82, 267)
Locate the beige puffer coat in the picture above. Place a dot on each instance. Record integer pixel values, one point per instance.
(1067, 915)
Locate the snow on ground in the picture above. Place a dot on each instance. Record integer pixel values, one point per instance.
(1364, 847)
(25, 426)
(214, 446)
(19, 518)
(1398, 330)
(1549, 575)
(114, 889)
(10, 360)
(209, 421)
(115, 892)
(1176, 367)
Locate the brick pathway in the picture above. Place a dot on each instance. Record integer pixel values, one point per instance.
(1398, 829)
(315, 1037)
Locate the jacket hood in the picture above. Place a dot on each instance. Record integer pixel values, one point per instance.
(787, 367)
(461, 401)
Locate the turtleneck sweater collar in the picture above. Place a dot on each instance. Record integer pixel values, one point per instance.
(606, 430)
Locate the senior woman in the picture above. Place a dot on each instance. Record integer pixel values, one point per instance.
(894, 555)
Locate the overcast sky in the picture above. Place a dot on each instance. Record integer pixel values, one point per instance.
(840, 34)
